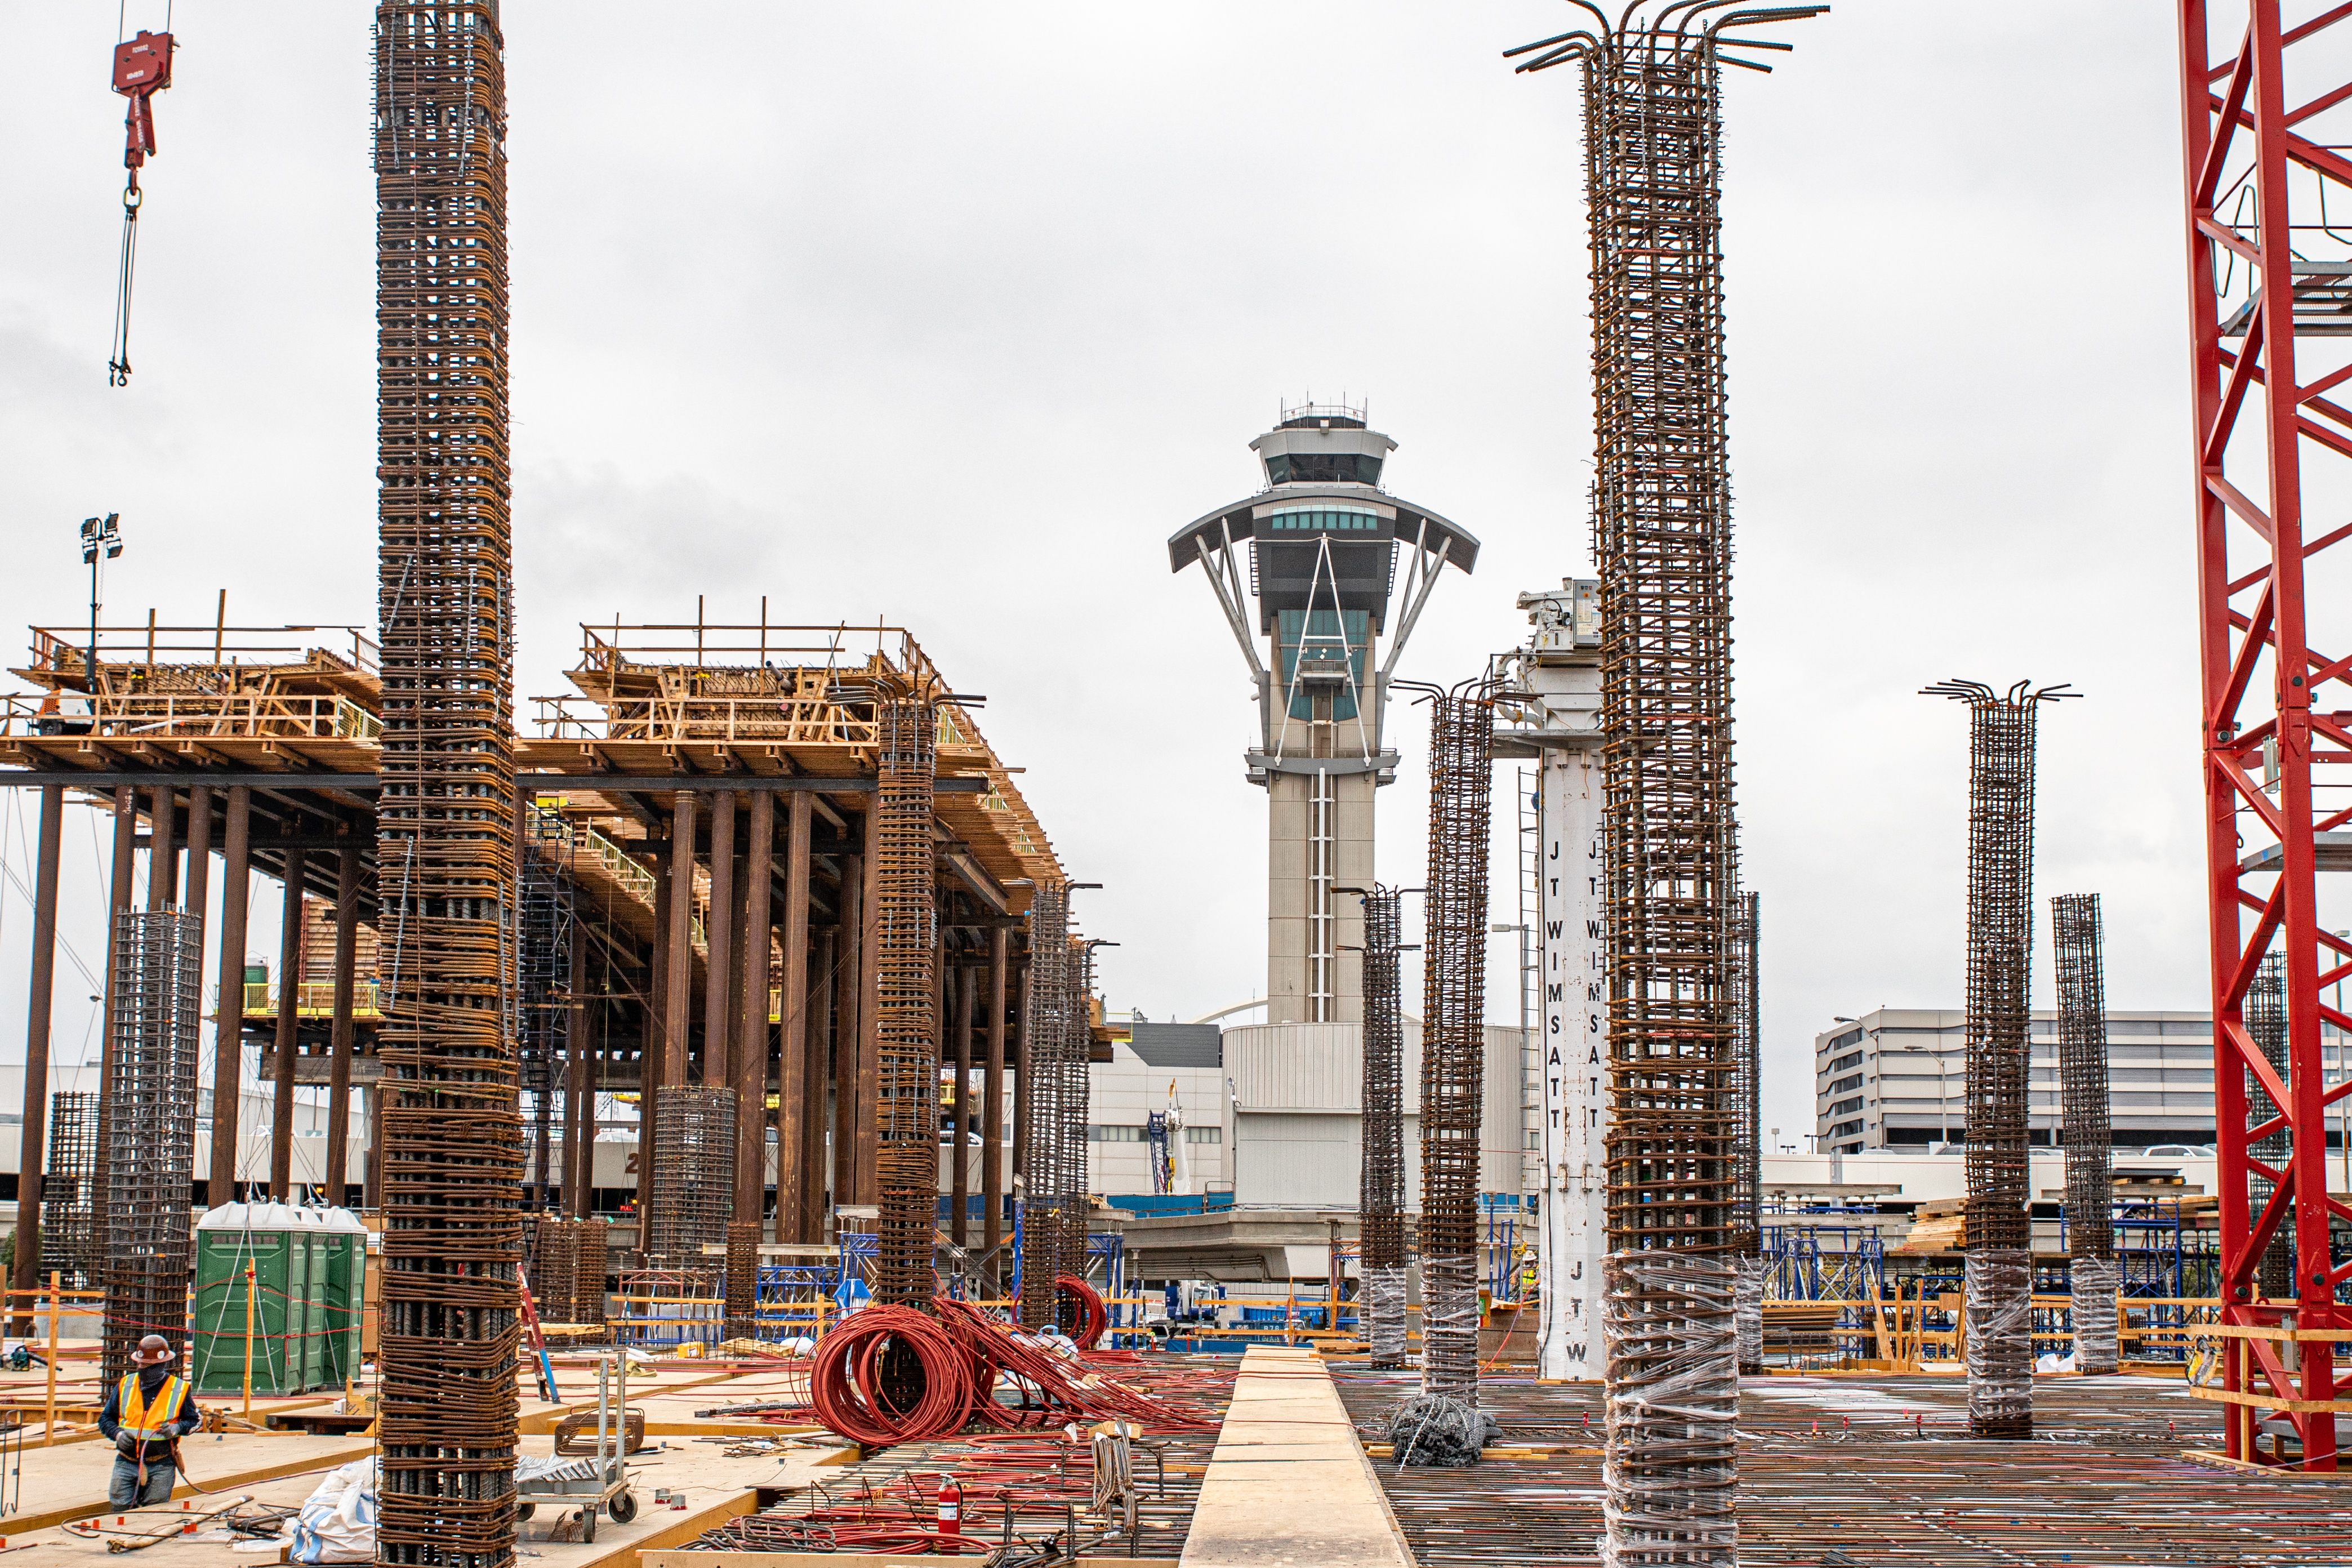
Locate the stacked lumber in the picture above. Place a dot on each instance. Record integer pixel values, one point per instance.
(1939, 1225)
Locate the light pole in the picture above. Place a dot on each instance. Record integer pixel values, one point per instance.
(98, 534)
(1943, 1115)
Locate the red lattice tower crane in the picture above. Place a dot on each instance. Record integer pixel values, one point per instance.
(2270, 279)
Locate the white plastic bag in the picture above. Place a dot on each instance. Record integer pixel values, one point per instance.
(337, 1523)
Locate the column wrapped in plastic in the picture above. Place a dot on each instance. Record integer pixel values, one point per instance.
(2000, 1342)
(1748, 1312)
(1670, 1467)
(1449, 1327)
(2094, 1282)
(1384, 1303)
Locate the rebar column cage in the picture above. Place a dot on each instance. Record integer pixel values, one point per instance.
(2002, 728)
(72, 1246)
(2265, 1010)
(1381, 1186)
(1662, 541)
(906, 925)
(694, 1177)
(150, 1128)
(452, 1140)
(1452, 1039)
(1077, 1109)
(1747, 1108)
(1043, 1158)
(2265, 112)
(554, 1268)
(2074, 935)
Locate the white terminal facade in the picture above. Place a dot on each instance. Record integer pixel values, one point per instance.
(1897, 1077)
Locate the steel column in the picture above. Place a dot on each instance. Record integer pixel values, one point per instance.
(162, 856)
(31, 1150)
(959, 1141)
(289, 994)
(752, 1046)
(817, 1077)
(338, 1068)
(228, 1020)
(679, 950)
(991, 1114)
(718, 928)
(580, 1108)
(799, 1091)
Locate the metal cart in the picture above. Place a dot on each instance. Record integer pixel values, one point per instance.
(605, 1488)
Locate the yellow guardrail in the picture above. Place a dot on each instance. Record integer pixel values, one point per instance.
(314, 999)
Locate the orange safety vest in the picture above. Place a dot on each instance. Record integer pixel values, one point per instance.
(137, 1420)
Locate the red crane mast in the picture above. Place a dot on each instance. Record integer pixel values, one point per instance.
(2268, 277)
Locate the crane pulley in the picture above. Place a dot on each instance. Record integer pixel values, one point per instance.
(142, 67)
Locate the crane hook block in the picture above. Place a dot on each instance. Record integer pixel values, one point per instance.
(142, 67)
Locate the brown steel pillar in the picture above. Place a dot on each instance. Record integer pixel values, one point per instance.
(679, 937)
(793, 1111)
(717, 927)
(653, 1049)
(991, 1110)
(580, 1104)
(816, 1079)
(338, 1071)
(960, 1227)
(1021, 1077)
(200, 877)
(290, 993)
(866, 1159)
(228, 1019)
(162, 853)
(32, 1147)
(849, 1031)
(752, 1046)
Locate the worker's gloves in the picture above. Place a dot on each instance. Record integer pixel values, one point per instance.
(127, 1446)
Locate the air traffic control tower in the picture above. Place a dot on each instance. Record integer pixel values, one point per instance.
(1324, 543)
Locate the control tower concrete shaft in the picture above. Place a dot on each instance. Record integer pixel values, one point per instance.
(1324, 543)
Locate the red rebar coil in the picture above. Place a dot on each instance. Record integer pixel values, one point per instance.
(850, 1388)
(1097, 1316)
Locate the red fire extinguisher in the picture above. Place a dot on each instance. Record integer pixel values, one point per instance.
(950, 1507)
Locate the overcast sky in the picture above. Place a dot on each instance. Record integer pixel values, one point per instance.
(951, 314)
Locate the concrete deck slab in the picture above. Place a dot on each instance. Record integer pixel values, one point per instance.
(1289, 1484)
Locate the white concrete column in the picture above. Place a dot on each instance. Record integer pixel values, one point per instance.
(1574, 1050)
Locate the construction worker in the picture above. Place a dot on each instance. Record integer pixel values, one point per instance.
(146, 1414)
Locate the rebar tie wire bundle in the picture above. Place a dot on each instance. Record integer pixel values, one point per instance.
(150, 1128)
(906, 1028)
(1662, 541)
(1381, 1194)
(1998, 1263)
(2091, 1275)
(1045, 1181)
(1452, 1053)
(452, 1135)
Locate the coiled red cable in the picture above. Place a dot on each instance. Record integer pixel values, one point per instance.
(857, 1377)
(1097, 1317)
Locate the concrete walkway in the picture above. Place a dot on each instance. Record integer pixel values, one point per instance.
(1289, 1483)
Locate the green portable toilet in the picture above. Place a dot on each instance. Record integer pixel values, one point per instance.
(291, 1251)
(343, 1240)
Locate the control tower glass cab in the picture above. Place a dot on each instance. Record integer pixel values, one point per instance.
(1329, 571)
